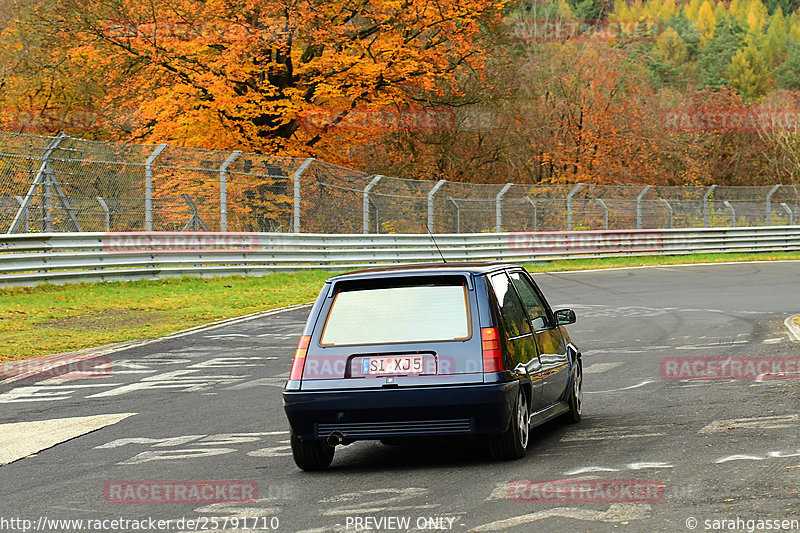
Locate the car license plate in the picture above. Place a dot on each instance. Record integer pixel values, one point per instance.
(399, 364)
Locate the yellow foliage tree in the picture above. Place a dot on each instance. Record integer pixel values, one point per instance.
(706, 20)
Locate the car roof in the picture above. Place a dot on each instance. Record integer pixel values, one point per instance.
(467, 267)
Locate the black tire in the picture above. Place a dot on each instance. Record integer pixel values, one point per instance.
(312, 454)
(575, 399)
(513, 442)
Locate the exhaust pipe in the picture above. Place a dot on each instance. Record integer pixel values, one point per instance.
(335, 438)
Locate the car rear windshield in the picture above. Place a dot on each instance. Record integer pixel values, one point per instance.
(398, 311)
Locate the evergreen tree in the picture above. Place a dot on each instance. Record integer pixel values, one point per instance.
(787, 6)
(788, 74)
(587, 9)
(688, 33)
(716, 54)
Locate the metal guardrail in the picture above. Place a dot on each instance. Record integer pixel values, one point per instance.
(29, 259)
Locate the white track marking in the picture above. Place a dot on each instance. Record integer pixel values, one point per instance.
(617, 512)
(21, 439)
(600, 367)
(761, 422)
(589, 470)
(592, 434)
(642, 384)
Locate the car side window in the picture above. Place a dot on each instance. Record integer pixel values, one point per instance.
(510, 307)
(536, 308)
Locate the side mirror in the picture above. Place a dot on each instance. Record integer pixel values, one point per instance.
(565, 316)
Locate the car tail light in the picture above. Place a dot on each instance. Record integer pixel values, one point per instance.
(492, 356)
(300, 358)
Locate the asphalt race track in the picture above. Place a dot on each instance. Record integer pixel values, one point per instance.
(206, 407)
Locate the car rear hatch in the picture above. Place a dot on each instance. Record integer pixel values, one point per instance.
(395, 331)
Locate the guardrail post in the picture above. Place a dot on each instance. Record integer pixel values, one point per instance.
(223, 190)
(41, 175)
(431, 194)
(458, 214)
(669, 209)
(498, 206)
(789, 212)
(605, 212)
(297, 176)
(706, 215)
(639, 206)
(21, 202)
(533, 207)
(727, 204)
(368, 188)
(769, 203)
(106, 210)
(148, 187)
(572, 193)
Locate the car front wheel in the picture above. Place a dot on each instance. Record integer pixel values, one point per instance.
(312, 454)
(513, 442)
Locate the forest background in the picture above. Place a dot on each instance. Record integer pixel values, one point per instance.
(482, 91)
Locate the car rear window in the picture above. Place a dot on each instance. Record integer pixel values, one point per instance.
(398, 311)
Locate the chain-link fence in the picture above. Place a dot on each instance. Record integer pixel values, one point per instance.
(61, 183)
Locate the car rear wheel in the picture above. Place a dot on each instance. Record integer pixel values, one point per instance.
(575, 400)
(513, 442)
(312, 454)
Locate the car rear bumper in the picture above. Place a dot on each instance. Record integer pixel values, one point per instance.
(401, 412)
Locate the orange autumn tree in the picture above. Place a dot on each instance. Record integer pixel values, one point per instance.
(600, 119)
(281, 77)
(270, 76)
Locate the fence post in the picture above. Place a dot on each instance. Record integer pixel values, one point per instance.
(533, 207)
(785, 206)
(706, 216)
(148, 187)
(572, 193)
(727, 204)
(458, 214)
(195, 222)
(639, 206)
(297, 176)
(42, 174)
(769, 203)
(431, 193)
(368, 188)
(605, 212)
(498, 206)
(669, 209)
(21, 202)
(223, 190)
(105, 209)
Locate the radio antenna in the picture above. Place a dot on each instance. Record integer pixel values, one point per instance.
(434, 243)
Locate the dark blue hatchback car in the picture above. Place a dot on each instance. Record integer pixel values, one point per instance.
(430, 350)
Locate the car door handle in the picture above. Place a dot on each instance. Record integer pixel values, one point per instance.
(521, 369)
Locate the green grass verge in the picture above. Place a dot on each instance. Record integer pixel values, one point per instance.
(51, 319)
